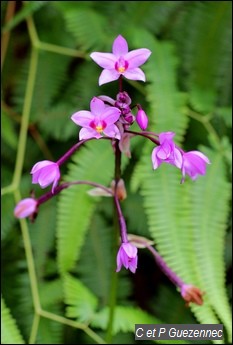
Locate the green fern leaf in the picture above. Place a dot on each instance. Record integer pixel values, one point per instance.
(82, 23)
(125, 319)
(75, 207)
(167, 104)
(82, 303)
(50, 77)
(212, 195)
(95, 265)
(203, 34)
(187, 223)
(10, 331)
(43, 236)
(8, 131)
(8, 220)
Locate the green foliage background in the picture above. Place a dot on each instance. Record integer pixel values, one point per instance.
(58, 273)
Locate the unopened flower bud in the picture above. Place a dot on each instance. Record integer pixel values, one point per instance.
(142, 119)
(25, 208)
(192, 294)
(120, 189)
(45, 173)
(130, 118)
(127, 257)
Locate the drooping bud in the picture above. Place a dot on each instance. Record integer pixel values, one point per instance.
(127, 257)
(142, 119)
(25, 208)
(120, 189)
(192, 294)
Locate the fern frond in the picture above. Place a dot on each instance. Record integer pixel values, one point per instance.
(8, 220)
(209, 217)
(51, 296)
(167, 104)
(95, 263)
(204, 35)
(75, 207)
(82, 303)
(188, 225)
(51, 73)
(42, 233)
(10, 332)
(124, 320)
(82, 23)
(8, 131)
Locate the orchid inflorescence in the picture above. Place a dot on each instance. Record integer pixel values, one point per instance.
(111, 119)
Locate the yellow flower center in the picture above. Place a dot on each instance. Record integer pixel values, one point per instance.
(99, 128)
(121, 69)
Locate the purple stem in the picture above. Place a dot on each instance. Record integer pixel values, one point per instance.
(74, 148)
(163, 266)
(58, 189)
(120, 83)
(71, 151)
(145, 135)
(121, 218)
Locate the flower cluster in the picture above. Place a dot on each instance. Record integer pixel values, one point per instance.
(112, 119)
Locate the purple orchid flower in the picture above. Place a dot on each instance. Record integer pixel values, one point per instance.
(194, 164)
(121, 62)
(127, 256)
(166, 152)
(25, 208)
(100, 120)
(45, 173)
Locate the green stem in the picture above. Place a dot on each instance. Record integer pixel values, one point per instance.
(34, 329)
(25, 118)
(205, 120)
(60, 50)
(30, 260)
(6, 35)
(114, 278)
(74, 324)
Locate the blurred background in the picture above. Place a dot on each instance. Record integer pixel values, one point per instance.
(47, 75)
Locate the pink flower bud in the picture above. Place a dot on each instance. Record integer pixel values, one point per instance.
(142, 119)
(25, 208)
(45, 173)
(127, 256)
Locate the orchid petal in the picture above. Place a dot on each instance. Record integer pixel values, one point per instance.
(130, 250)
(107, 99)
(178, 159)
(137, 57)
(104, 60)
(87, 133)
(168, 136)
(108, 75)
(97, 106)
(25, 208)
(112, 131)
(47, 176)
(40, 165)
(156, 162)
(82, 118)
(134, 74)
(201, 155)
(120, 46)
(110, 115)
